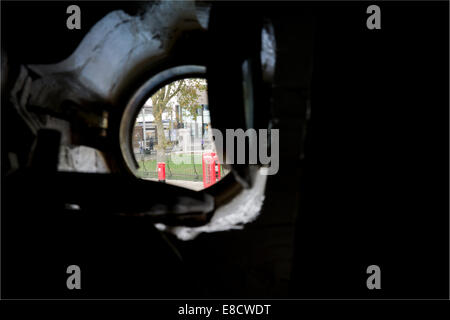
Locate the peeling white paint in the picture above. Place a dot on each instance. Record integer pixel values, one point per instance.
(81, 159)
(119, 42)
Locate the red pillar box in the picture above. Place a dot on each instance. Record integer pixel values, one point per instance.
(162, 171)
(211, 169)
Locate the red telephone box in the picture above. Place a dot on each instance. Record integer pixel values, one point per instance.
(162, 171)
(211, 168)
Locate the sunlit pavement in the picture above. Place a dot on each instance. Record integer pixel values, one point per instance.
(193, 185)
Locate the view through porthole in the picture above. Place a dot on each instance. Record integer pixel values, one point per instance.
(172, 138)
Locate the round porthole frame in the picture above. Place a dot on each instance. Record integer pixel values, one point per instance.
(135, 104)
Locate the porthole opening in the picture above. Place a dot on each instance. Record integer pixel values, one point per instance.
(172, 137)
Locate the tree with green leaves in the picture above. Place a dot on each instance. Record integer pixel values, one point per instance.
(186, 93)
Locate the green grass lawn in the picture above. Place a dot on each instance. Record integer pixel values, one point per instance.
(183, 171)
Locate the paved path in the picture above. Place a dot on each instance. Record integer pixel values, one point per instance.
(193, 185)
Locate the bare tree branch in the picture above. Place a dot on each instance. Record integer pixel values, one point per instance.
(181, 83)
